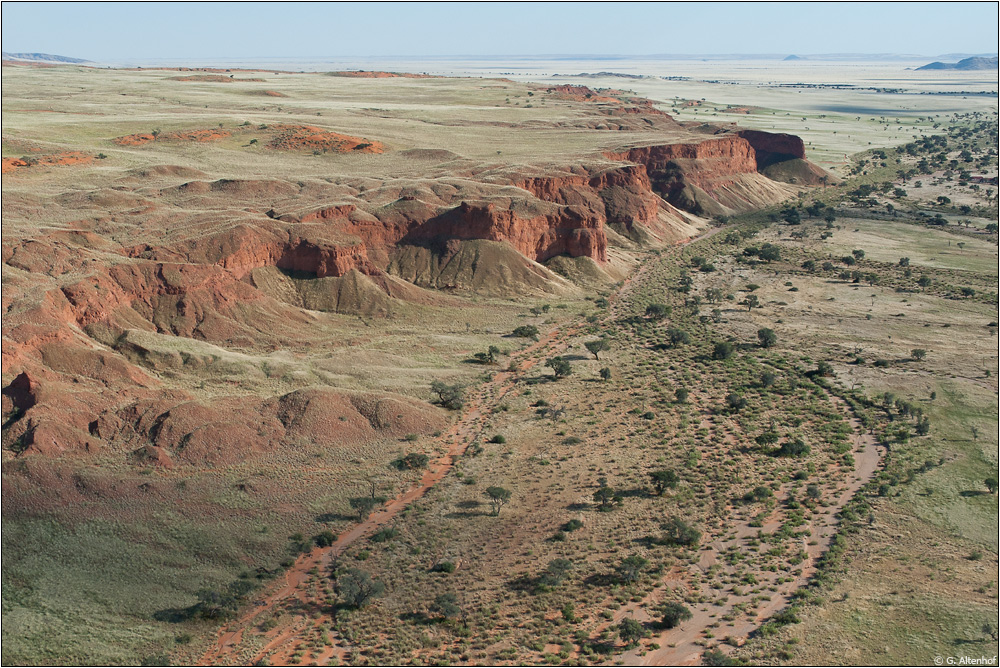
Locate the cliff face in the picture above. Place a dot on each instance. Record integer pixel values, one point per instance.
(571, 230)
(718, 158)
(720, 174)
(771, 147)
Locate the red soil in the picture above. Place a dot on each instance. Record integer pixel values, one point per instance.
(24, 63)
(307, 137)
(580, 94)
(282, 640)
(56, 159)
(190, 135)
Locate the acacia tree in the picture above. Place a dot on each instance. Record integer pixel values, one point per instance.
(606, 496)
(657, 311)
(630, 569)
(449, 396)
(674, 614)
(499, 497)
(751, 302)
(446, 605)
(560, 367)
(364, 505)
(630, 631)
(597, 346)
(664, 479)
(677, 336)
(767, 337)
(722, 350)
(357, 587)
(557, 571)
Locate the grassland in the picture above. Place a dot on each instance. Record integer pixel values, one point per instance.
(106, 561)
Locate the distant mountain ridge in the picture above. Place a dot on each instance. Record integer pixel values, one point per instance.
(974, 63)
(42, 58)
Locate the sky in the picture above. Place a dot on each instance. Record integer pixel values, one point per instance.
(146, 31)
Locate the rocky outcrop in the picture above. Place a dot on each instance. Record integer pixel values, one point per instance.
(770, 147)
(719, 158)
(718, 175)
(567, 230)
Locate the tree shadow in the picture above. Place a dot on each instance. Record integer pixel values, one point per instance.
(469, 508)
(969, 641)
(600, 580)
(175, 615)
(972, 493)
(538, 380)
(604, 648)
(418, 618)
(308, 608)
(522, 583)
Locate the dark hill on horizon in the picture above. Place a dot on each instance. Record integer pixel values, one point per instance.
(42, 58)
(974, 63)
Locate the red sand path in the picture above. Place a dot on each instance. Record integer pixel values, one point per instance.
(227, 650)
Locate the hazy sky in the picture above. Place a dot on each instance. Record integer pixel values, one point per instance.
(115, 32)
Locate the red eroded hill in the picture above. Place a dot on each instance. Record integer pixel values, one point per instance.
(579, 94)
(307, 137)
(141, 138)
(56, 159)
(168, 254)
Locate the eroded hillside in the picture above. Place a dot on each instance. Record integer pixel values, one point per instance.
(109, 265)
(229, 296)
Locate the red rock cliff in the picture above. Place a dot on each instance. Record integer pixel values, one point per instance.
(572, 230)
(771, 147)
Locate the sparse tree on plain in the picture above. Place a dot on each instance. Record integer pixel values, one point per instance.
(364, 505)
(630, 570)
(357, 587)
(674, 614)
(560, 367)
(597, 346)
(663, 480)
(767, 337)
(630, 631)
(499, 497)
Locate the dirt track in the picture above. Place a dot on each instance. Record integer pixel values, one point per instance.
(680, 646)
(227, 648)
